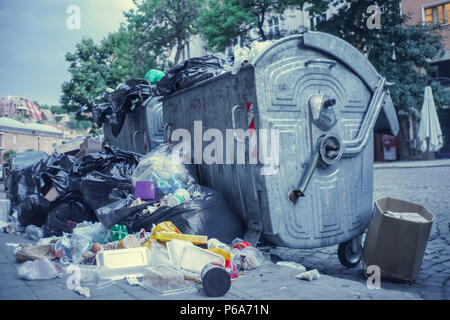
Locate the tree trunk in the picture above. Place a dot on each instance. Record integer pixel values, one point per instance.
(403, 139)
(261, 32)
(261, 24)
(180, 47)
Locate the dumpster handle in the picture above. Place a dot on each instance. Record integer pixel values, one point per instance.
(306, 178)
(331, 63)
(355, 146)
(134, 138)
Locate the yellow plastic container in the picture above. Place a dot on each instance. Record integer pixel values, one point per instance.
(166, 226)
(167, 236)
(225, 254)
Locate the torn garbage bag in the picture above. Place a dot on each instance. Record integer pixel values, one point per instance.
(114, 212)
(55, 173)
(128, 96)
(192, 71)
(208, 214)
(112, 161)
(33, 184)
(68, 208)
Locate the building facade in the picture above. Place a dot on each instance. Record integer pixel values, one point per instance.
(16, 105)
(20, 137)
(275, 26)
(433, 12)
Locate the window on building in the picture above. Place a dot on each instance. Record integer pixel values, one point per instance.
(274, 27)
(439, 14)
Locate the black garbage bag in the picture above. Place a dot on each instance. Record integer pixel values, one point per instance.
(54, 173)
(30, 188)
(208, 215)
(112, 161)
(112, 213)
(192, 71)
(33, 210)
(70, 207)
(129, 95)
(99, 189)
(28, 181)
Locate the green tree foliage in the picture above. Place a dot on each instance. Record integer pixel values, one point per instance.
(152, 30)
(157, 26)
(43, 106)
(400, 52)
(220, 21)
(90, 72)
(94, 68)
(57, 110)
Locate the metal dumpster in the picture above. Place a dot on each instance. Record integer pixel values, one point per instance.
(142, 130)
(325, 99)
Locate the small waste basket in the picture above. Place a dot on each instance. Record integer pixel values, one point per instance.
(324, 99)
(397, 237)
(142, 130)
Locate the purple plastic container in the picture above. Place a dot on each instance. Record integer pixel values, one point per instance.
(146, 190)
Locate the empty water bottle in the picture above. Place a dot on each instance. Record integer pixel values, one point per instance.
(34, 232)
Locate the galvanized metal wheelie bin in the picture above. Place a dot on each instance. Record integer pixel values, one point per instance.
(142, 130)
(324, 99)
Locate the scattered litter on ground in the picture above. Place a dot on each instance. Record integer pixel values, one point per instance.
(291, 264)
(14, 245)
(133, 281)
(30, 252)
(309, 275)
(83, 291)
(40, 269)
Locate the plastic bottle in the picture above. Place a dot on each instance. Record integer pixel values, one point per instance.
(34, 232)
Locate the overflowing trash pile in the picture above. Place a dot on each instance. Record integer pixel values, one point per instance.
(120, 215)
(108, 214)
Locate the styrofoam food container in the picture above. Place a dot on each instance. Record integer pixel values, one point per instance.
(123, 258)
(194, 258)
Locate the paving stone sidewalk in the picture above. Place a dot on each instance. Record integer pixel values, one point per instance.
(426, 185)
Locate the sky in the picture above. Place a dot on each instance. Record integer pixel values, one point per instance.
(34, 38)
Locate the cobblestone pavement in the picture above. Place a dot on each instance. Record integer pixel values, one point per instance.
(427, 186)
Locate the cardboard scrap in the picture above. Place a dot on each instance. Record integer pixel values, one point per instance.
(29, 252)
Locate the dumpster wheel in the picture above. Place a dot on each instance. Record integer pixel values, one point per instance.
(347, 255)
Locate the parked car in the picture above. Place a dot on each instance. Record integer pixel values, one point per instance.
(15, 165)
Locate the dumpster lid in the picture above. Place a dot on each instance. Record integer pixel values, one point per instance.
(387, 121)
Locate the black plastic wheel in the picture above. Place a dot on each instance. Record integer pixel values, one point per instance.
(347, 257)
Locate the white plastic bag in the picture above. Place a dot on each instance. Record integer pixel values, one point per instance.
(41, 269)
